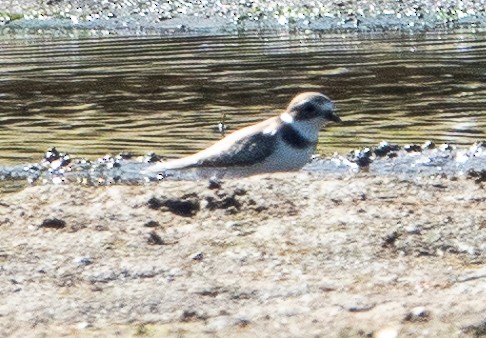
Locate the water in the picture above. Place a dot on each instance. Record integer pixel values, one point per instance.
(93, 96)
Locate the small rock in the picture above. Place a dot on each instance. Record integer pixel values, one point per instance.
(446, 147)
(428, 145)
(243, 322)
(162, 176)
(477, 175)
(412, 148)
(124, 156)
(84, 325)
(57, 180)
(389, 239)
(182, 207)
(223, 200)
(361, 157)
(191, 314)
(214, 184)
(152, 224)
(384, 148)
(418, 314)
(82, 261)
(198, 256)
(232, 225)
(154, 239)
(51, 154)
(151, 158)
(387, 332)
(154, 203)
(358, 305)
(413, 229)
(54, 223)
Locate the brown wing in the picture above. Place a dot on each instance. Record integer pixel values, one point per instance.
(245, 152)
(244, 147)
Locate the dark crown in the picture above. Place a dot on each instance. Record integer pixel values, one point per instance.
(312, 105)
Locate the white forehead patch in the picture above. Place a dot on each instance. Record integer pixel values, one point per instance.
(286, 117)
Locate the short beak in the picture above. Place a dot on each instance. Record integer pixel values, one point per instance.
(335, 118)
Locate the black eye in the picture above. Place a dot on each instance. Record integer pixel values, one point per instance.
(307, 110)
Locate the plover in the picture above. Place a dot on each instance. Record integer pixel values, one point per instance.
(282, 143)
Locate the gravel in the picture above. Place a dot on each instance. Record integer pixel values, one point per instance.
(210, 16)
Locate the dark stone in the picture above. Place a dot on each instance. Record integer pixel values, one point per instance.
(214, 184)
(361, 157)
(52, 154)
(412, 147)
(198, 257)
(124, 156)
(358, 306)
(418, 314)
(154, 239)
(223, 202)
(182, 207)
(151, 158)
(446, 147)
(240, 192)
(243, 322)
(477, 175)
(186, 206)
(389, 240)
(54, 223)
(154, 203)
(152, 224)
(191, 314)
(384, 148)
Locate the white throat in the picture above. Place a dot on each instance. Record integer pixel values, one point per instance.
(286, 117)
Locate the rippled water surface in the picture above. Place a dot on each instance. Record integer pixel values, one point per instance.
(93, 96)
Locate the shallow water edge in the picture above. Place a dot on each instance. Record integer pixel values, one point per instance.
(407, 162)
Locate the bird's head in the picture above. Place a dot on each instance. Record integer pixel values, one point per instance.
(310, 106)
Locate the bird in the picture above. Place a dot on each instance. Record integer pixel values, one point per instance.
(282, 143)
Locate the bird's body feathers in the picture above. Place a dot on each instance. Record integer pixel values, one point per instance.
(281, 143)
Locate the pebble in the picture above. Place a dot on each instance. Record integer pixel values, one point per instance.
(418, 314)
(387, 332)
(82, 261)
(358, 305)
(53, 223)
(413, 229)
(154, 239)
(428, 145)
(198, 256)
(152, 224)
(84, 325)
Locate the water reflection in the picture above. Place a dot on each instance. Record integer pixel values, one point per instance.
(105, 95)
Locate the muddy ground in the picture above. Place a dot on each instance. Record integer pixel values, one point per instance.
(286, 255)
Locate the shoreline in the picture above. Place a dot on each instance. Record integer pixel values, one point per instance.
(368, 253)
(225, 17)
(407, 162)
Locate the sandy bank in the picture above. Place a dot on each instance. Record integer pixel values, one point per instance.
(302, 254)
